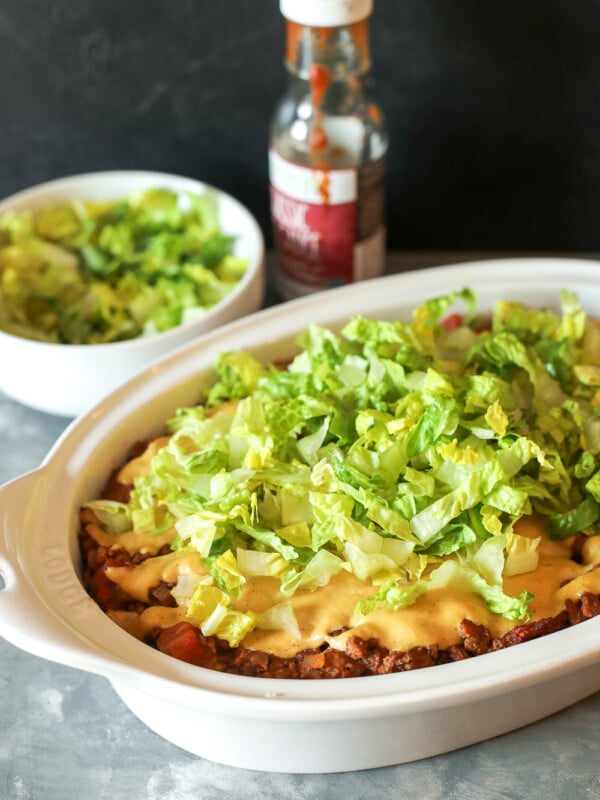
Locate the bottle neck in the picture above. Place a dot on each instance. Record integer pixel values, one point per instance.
(324, 55)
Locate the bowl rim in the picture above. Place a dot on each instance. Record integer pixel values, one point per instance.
(495, 673)
(256, 264)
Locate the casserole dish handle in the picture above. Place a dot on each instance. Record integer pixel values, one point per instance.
(25, 620)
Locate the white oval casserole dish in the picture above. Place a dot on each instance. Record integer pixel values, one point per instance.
(270, 724)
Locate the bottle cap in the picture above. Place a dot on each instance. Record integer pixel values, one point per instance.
(325, 13)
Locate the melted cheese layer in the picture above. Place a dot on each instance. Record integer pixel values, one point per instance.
(433, 619)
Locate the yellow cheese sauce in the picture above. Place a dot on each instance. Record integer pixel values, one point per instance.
(138, 580)
(141, 464)
(131, 541)
(318, 613)
(433, 619)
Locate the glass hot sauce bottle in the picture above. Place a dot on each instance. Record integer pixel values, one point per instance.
(327, 152)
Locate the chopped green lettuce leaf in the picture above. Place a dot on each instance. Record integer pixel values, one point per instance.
(279, 617)
(521, 554)
(88, 273)
(401, 453)
(113, 517)
(210, 608)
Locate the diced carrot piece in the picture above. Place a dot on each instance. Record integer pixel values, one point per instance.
(181, 641)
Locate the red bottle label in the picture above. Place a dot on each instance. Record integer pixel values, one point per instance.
(314, 243)
(327, 225)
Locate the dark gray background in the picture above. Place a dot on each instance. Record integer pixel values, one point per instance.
(493, 108)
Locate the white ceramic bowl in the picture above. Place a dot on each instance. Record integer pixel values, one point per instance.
(270, 724)
(67, 379)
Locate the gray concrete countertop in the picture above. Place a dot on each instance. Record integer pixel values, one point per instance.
(66, 734)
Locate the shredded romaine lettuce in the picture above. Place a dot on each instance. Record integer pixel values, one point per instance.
(401, 453)
(87, 273)
(211, 610)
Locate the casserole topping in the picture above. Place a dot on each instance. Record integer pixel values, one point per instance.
(399, 495)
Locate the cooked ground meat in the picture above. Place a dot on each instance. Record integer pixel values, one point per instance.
(110, 597)
(160, 595)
